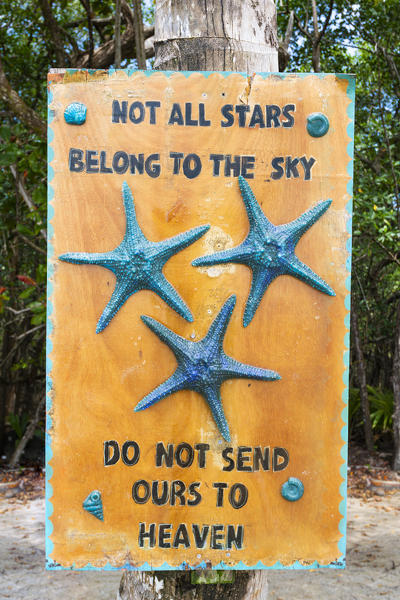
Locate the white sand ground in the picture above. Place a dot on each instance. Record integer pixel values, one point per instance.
(373, 570)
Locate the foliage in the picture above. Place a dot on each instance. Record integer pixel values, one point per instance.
(381, 409)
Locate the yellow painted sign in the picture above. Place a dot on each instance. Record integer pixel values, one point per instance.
(199, 255)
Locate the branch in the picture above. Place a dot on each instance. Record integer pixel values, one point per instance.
(56, 32)
(29, 433)
(117, 34)
(25, 196)
(139, 35)
(86, 6)
(327, 20)
(104, 55)
(30, 243)
(21, 110)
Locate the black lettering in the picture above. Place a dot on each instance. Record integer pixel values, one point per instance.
(163, 455)
(231, 463)
(119, 113)
(177, 156)
(153, 169)
(150, 534)
(273, 112)
(180, 451)
(257, 118)
(123, 167)
(243, 459)
(164, 535)
(276, 164)
(177, 492)
(159, 500)
(200, 537)
(261, 458)
(216, 536)
(226, 111)
(136, 163)
(307, 166)
(232, 165)
(287, 109)
(280, 453)
(235, 537)
(153, 104)
(92, 163)
(181, 537)
(242, 496)
(176, 115)
(220, 486)
(135, 491)
(193, 492)
(136, 119)
(189, 171)
(103, 166)
(75, 161)
(203, 122)
(108, 461)
(188, 115)
(135, 456)
(241, 110)
(291, 167)
(247, 163)
(202, 449)
(217, 163)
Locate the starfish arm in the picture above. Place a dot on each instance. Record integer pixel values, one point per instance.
(218, 327)
(109, 260)
(254, 211)
(123, 289)
(239, 254)
(298, 269)
(213, 397)
(233, 369)
(171, 246)
(175, 383)
(159, 284)
(260, 282)
(133, 231)
(297, 228)
(175, 342)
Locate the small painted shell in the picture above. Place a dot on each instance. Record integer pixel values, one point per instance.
(94, 505)
(292, 489)
(75, 113)
(317, 124)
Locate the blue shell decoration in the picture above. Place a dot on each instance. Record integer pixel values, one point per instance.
(94, 505)
(75, 113)
(292, 489)
(317, 124)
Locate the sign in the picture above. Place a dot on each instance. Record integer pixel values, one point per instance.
(199, 258)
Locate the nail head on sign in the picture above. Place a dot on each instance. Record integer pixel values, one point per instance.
(292, 489)
(75, 113)
(317, 124)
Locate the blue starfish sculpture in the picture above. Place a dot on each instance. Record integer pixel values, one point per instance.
(269, 250)
(203, 366)
(137, 264)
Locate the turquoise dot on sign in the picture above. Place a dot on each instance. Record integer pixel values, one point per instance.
(317, 124)
(292, 489)
(75, 113)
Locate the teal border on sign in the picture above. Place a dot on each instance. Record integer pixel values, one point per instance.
(240, 566)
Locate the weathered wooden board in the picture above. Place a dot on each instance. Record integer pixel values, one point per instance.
(95, 380)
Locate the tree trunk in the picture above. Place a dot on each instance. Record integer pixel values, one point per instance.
(396, 392)
(209, 35)
(362, 382)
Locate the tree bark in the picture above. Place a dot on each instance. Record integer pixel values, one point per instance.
(362, 381)
(209, 35)
(220, 35)
(396, 392)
